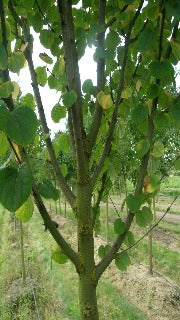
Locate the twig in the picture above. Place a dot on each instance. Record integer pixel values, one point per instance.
(155, 225)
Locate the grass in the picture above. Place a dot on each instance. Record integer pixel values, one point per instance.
(112, 305)
(16, 298)
(57, 290)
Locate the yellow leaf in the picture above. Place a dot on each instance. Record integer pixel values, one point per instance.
(138, 85)
(104, 100)
(126, 94)
(24, 46)
(16, 148)
(16, 90)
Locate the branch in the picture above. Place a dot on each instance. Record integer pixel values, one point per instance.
(96, 122)
(143, 28)
(74, 83)
(40, 205)
(62, 182)
(107, 146)
(155, 225)
(173, 37)
(143, 169)
(100, 193)
(113, 20)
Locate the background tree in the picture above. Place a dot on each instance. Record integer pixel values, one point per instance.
(136, 46)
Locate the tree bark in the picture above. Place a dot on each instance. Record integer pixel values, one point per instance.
(87, 275)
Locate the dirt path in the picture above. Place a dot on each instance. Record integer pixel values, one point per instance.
(169, 217)
(157, 296)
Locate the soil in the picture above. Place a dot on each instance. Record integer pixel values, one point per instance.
(155, 295)
(169, 217)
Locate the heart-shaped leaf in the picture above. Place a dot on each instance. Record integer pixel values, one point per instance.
(41, 75)
(16, 61)
(158, 149)
(58, 112)
(133, 202)
(142, 148)
(58, 255)
(6, 88)
(25, 212)
(104, 100)
(47, 190)
(144, 217)
(122, 261)
(119, 226)
(21, 125)
(69, 98)
(15, 186)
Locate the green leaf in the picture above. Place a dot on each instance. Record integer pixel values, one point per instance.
(129, 239)
(158, 149)
(147, 40)
(37, 22)
(133, 202)
(144, 217)
(15, 186)
(4, 115)
(6, 88)
(16, 61)
(175, 111)
(25, 212)
(122, 261)
(44, 57)
(58, 112)
(139, 114)
(3, 143)
(28, 100)
(41, 75)
(127, 93)
(152, 91)
(153, 165)
(64, 169)
(3, 58)
(64, 143)
(47, 190)
(177, 164)
(69, 98)
(142, 148)
(87, 86)
(161, 121)
(173, 8)
(176, 49)
(104, 100)
(161, 69)
(21, 125)
(58, 255)
(119, 226)
(46, 38)
(112, 40)
(103, 250)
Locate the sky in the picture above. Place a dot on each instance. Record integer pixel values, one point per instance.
(50, 97)
(87, 67)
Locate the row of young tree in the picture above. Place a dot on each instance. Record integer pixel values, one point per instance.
(123, 126)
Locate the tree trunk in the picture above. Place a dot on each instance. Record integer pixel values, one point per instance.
(87, 276)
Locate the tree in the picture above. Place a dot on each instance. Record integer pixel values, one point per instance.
(136, 47)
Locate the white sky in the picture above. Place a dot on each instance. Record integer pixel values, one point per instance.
(50, 97)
